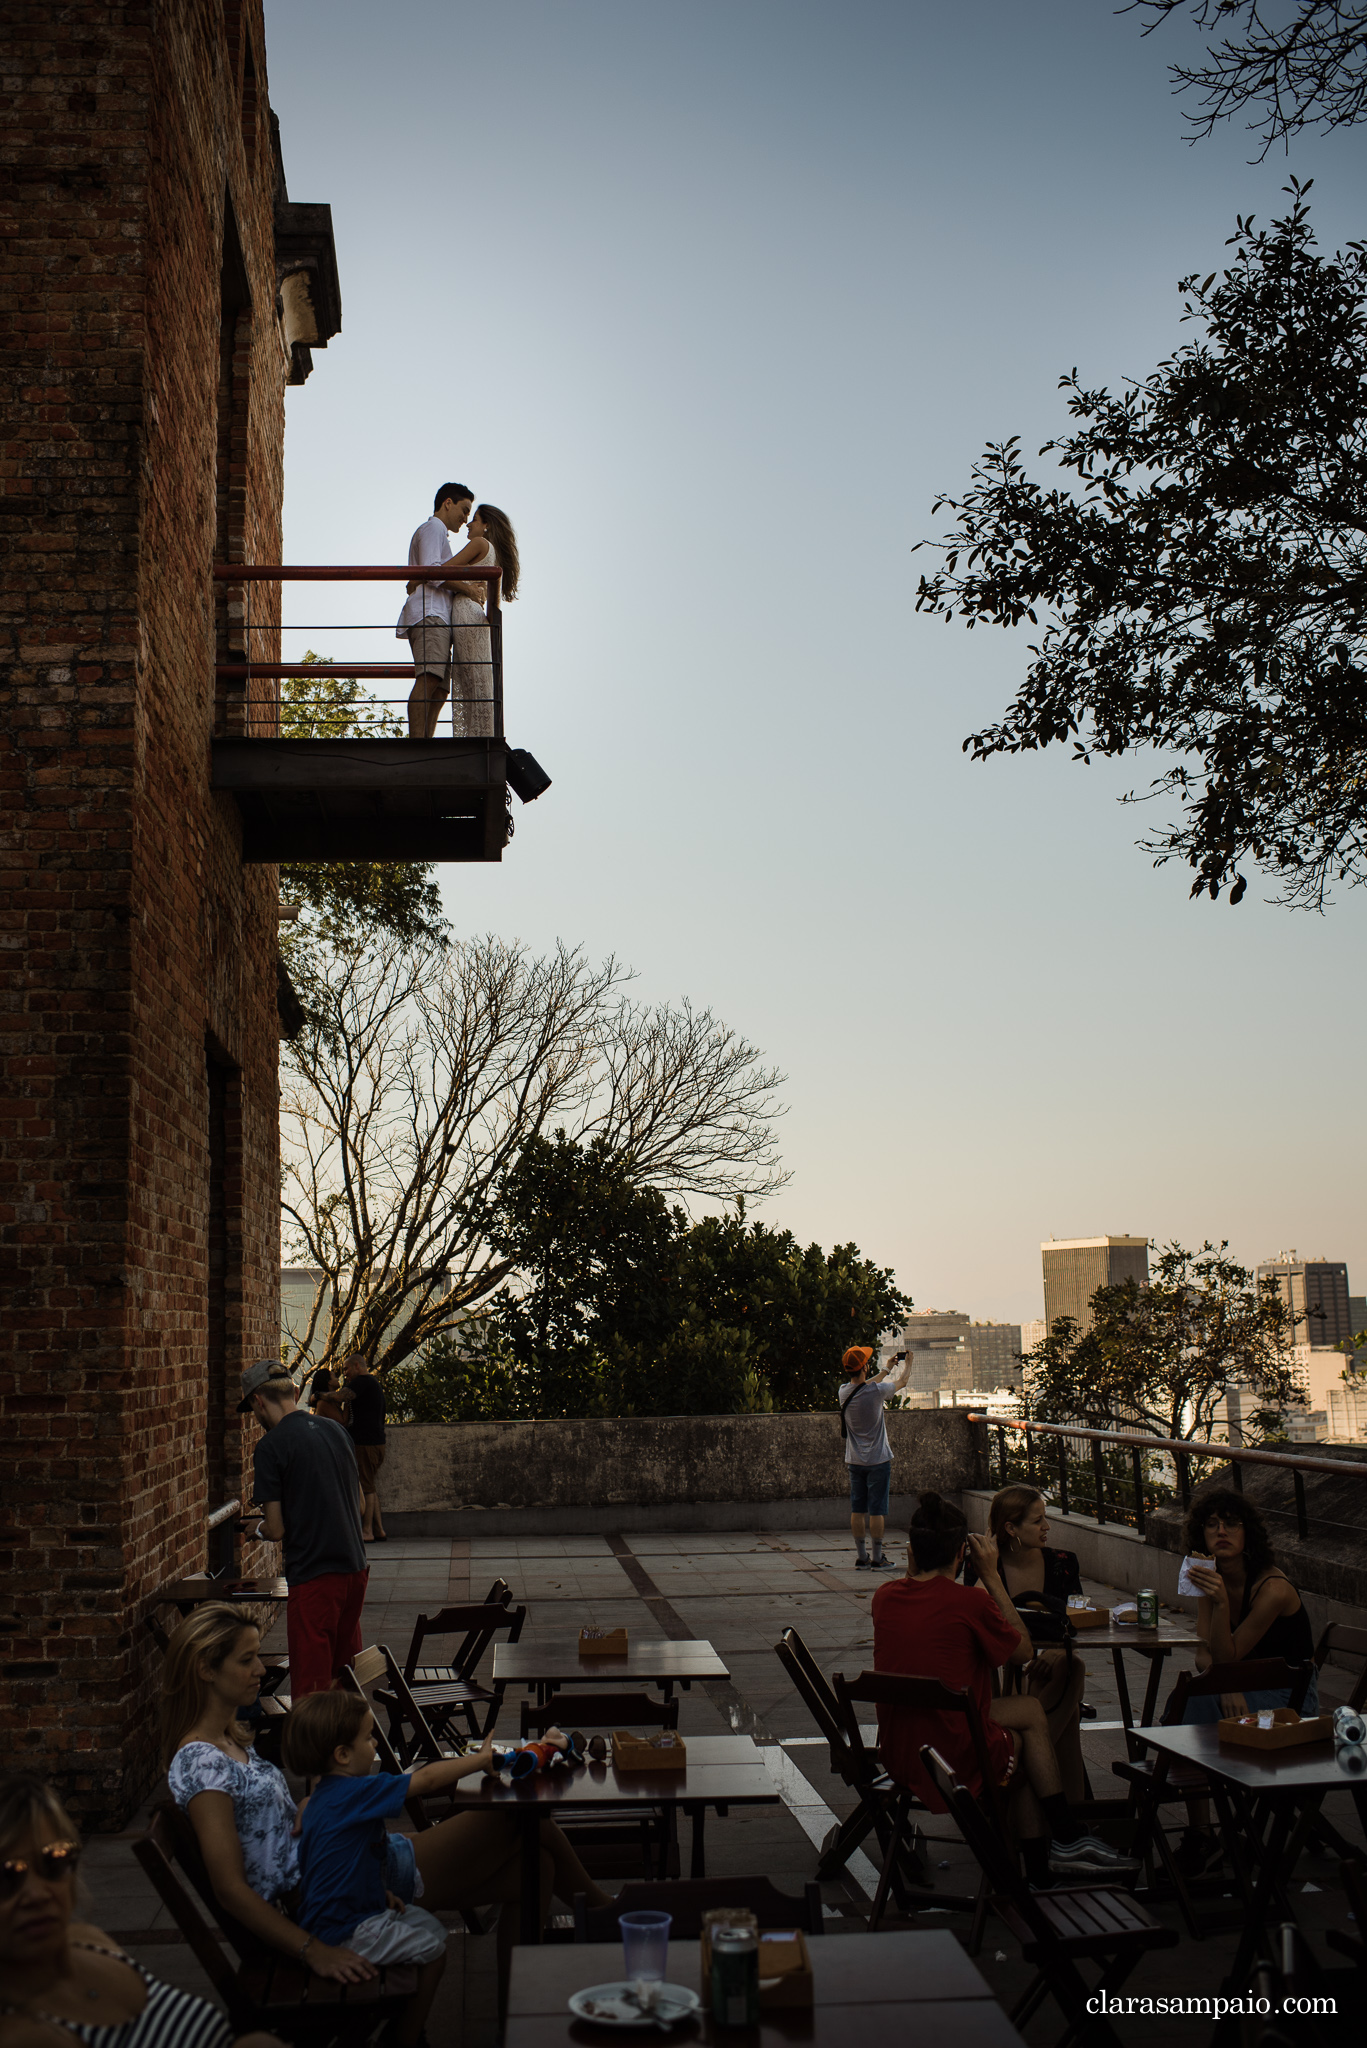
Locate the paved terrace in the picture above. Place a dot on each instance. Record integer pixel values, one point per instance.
(739, 1591)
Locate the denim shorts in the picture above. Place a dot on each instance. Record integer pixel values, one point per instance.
(1205, 1708)
(869, 1488)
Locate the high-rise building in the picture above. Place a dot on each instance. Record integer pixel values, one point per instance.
(1033, 1333)
(1315, 1292)
(995, 1349)
(1074, 1267)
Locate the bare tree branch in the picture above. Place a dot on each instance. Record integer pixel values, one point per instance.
(422, 1074)
(1302, 65)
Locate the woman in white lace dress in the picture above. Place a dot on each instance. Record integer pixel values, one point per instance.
(491, 541)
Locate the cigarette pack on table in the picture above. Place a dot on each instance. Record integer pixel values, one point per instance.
(602, 1642)
(665, 1752)
(1276, 1728)
(785, 1967)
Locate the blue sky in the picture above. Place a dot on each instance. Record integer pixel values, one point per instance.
(714, 300)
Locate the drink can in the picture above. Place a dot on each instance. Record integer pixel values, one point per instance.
(735, 1977)
(1146, 1603)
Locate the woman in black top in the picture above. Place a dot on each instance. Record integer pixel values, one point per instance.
(1249, 1608)
(1019, 1520)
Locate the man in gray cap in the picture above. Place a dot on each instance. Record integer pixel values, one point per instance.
(309, 1490)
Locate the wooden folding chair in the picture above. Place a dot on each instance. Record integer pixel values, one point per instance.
(596, 1835)
(687, 1899)
(268, 1992)
(1057, 1930)
(861, 1770)
(445, 1690)
(913, 1695)
(1157, 1782)
(412, 1735)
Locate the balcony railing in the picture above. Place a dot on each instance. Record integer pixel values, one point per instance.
(1132, 1494)
(332, 772)
(253, 630)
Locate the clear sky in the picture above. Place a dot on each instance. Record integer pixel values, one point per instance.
(713, 299)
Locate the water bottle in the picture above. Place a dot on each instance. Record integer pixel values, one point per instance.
(1349, 1725)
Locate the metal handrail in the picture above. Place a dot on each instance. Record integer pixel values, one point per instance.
(247, 671)
(217, 1516)
(1182, 1450)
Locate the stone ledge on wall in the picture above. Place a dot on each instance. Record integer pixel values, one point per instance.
(654, 1471)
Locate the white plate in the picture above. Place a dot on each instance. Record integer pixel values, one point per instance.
(614, 2005)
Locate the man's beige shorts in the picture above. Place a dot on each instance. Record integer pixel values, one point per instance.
(431, 645)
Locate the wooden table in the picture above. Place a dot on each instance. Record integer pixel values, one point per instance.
(1258, 1794)
(722, 1771)
(187, 1594)
(547, 1665)
(1153, 1643)
(885, 1989)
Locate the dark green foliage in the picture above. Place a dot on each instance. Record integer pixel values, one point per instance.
(627, 1308)
(1203, 584)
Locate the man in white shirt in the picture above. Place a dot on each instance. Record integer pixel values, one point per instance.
(425, 621)
(868, 1454)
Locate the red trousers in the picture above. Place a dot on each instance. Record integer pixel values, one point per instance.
(323, 1624)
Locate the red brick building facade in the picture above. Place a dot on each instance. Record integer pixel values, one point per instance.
(144, 345)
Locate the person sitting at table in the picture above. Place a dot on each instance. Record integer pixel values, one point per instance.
(247, 1825)
(927, 1626)
(1248, 1609)
(1018, 1521)
(60, 1976)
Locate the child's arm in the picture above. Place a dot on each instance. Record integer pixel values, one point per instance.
(435, 1777)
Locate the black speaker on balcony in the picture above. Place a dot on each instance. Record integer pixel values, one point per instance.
(526, 776)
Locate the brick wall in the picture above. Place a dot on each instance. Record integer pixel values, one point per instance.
(136, 945)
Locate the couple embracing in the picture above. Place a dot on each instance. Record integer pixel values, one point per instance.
(446, 623)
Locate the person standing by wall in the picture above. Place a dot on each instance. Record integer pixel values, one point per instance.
(366, 1398)
(868, 1454)
(309, 1491)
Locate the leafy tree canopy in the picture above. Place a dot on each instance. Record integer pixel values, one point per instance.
(1162, 1357)
(1203, 585)
(1300, 64)
(341, 898)
(624, 1307)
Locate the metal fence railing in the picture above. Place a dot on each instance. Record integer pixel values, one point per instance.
(260, 644)
(1121, 1475)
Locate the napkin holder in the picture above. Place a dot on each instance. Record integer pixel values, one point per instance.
(1288, 1730)
(1090, 1617)
(666, 1752)
(602, 1642)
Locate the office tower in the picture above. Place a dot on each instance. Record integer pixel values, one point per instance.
(1315, 1292)
(1074, 1267)
(995, 1349)
(1033, 1333)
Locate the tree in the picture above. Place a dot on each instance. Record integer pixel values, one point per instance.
(1307, 70)
(1163, 1357)
(421, 1076)
(1204, 584)
(339, 897)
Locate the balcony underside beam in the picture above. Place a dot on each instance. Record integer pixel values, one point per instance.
(429, 800)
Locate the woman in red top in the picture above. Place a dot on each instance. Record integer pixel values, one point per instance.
(926, 1626)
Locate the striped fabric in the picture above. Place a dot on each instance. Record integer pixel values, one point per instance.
(170, 2018)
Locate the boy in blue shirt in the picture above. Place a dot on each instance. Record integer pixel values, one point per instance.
(355, 1877)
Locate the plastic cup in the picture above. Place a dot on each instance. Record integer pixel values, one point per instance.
(645, 1947)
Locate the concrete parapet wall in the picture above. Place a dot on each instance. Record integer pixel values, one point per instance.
(655, 1471)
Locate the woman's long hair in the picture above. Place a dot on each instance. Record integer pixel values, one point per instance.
(208, 1636)
(499, 528)
(1012, 1504)
(1232, 1507)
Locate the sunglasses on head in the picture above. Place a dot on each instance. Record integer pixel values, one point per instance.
(57, 1861)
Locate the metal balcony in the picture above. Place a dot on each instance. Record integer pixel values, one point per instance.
(329, 773)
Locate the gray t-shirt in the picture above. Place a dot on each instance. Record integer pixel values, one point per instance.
(866, 1433)
(308, 1465)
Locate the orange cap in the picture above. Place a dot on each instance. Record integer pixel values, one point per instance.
(856, 1356)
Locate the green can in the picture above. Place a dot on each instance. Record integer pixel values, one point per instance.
(735, 1977)
(1146, 1603)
